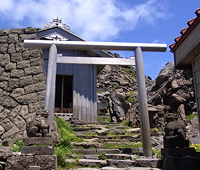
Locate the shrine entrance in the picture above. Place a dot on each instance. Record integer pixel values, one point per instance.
(138, 48)
(64, 94)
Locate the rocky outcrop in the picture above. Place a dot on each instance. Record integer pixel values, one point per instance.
(117, 90)
(171, 92)
(22, 82)
(113, 84)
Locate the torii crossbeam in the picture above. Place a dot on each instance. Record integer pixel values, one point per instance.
(55, 58)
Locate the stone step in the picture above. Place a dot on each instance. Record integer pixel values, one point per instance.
(107, 156)
(114, 168)
(121, 163)
(128, 137)
(118, 137)
(90, 133)
(110, 145)
(97, 151)
(88, 169)
(116, 144)
(118, 156)
(81, 135)
(119, 140)
(108, 151)
(131, 168)
(86, 151)
(87, 145)
(81, 129)
(91, 140)
(149, 162)
(138, 151)
(92, 162)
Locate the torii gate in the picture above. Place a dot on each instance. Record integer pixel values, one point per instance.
(55, 58)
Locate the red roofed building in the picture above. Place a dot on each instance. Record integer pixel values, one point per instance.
(186, 51)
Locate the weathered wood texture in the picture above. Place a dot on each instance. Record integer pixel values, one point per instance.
(84, 85)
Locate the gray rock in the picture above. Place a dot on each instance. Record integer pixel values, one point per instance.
(5, 152)
(113, 168)
(24, 162)
(11, 49)
(26, 99)
(10, 66)
(20, 47)
(17, 30)
(108, 151)
(4, 59)
(37, 150)
(33, 70)
(175, 98)
(3, 39)
(16, 57)
(13, 38)
(34, 88)
(34, 168)
(13, 83)
(147, 162)
(4, 113)
(87, 169)
(1, 70)
(115, 130)
(7, 124)
(2, 130)
(17, 73)
(121, 163)
(11, 134)
(20, 123)
(15, 112)
(27, 80)
(4, 48)
(134, 130)
(181, 112)
(23, 64)
(17, 92)
(165, 73)
(27, 36)
(5, 31)
(91, 162)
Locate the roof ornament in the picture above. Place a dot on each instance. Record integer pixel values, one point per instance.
(57, 22)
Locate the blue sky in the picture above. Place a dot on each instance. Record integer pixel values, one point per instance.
(137, 21)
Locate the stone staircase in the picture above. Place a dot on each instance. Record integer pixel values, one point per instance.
(109, 146)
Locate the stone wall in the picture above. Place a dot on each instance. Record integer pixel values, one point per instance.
(22, 82)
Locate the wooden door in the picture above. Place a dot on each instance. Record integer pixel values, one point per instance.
(64, 94)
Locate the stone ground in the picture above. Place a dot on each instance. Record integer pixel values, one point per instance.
(109, 146)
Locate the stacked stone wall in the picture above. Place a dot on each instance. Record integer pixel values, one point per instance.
(22, 82)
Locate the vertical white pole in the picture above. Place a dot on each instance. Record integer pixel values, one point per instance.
(51, 84)
(144, 116)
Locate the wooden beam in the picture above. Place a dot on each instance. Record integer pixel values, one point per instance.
(95, 60)
(83, 45)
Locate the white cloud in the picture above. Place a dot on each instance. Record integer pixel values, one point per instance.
(6, 5)
(99, 20)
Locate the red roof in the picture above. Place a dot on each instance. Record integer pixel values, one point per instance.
(186, 31)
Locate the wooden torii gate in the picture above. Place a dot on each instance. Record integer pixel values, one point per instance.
(55, 58)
